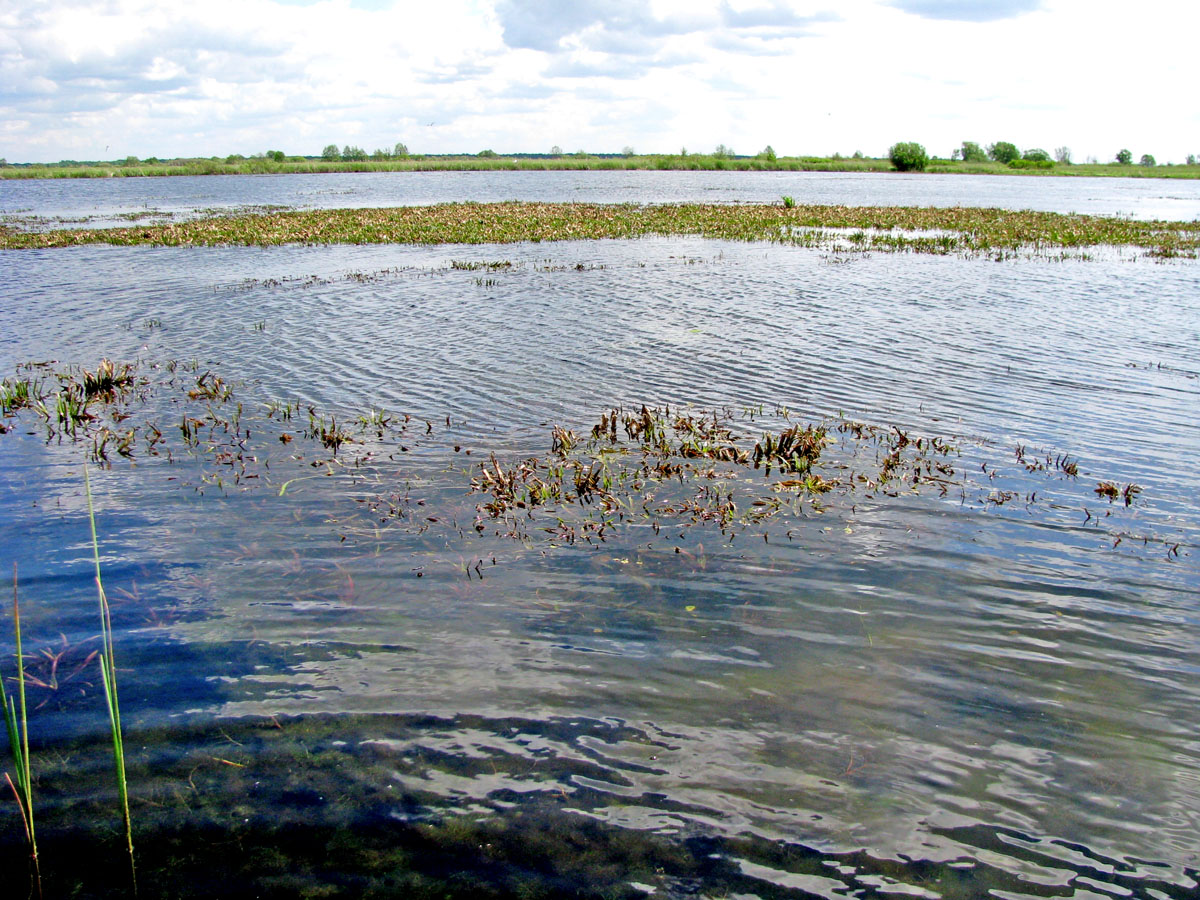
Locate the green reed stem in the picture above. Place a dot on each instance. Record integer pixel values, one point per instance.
(18, 741)
(108, 670)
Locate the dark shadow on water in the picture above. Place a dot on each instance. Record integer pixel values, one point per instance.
(463, 806)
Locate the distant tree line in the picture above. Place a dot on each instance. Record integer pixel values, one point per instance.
(909, 156)
(1125, 158)
(350, 153)
(904, 156)
(1007, 153)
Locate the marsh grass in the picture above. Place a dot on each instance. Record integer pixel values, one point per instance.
(17, 393)
(570, 162)
(70, 410)
(107, 381)
(108, 671)
(967, 231)
(447, 163)
(17, 722)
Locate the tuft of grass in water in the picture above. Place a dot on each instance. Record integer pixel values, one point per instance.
(108, 380)
(474, 265)
(210, 387)
(328, 432)
(18, 742)
(789, 202)
(70, 409)
(108, 671)
(17, 393)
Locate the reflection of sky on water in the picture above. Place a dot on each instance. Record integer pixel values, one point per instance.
(882, 675)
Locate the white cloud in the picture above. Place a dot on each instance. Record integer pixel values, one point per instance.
(150, 77)
(968, 10)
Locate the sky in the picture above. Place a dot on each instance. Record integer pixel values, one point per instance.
(107, 79)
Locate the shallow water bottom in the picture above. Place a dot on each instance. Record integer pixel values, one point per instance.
(464, 806)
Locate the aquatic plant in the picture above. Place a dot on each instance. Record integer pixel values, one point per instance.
(1110, 491)
(474, 265)
(70, 409)
(16, 393)
(210, 387)
(108, 672)
(107, 381)
(17, 721)
(328, 432)
(375, 420)
(793, 451)
(634, 465)
(965, 231)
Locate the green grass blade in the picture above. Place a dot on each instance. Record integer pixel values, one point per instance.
(14, 739)
(18, 738)
(108, 672)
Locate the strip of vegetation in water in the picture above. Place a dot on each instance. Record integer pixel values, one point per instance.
(489, 162)
(668, 470)
(966, 231)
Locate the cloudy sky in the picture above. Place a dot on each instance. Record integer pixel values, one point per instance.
(104, 79)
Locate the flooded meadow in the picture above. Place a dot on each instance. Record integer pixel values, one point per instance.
(667, 566)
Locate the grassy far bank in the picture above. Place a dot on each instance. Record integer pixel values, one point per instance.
(570, 162)
(969, 231)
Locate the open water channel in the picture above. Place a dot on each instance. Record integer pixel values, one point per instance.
(448, 571)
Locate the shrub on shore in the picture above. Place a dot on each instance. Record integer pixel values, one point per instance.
(972, 152)
(1027, 163)
(908, 157)
(1003, 152)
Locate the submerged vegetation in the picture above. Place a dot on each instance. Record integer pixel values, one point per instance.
(954, 230)
(283, 807)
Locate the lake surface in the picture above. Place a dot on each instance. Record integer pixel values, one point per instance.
(343, 671)
(101, 202)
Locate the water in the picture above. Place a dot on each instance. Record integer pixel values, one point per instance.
(326, 664)
(96, 202)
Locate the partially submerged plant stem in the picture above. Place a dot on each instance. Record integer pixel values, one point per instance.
(18, 741)
(108, 670)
